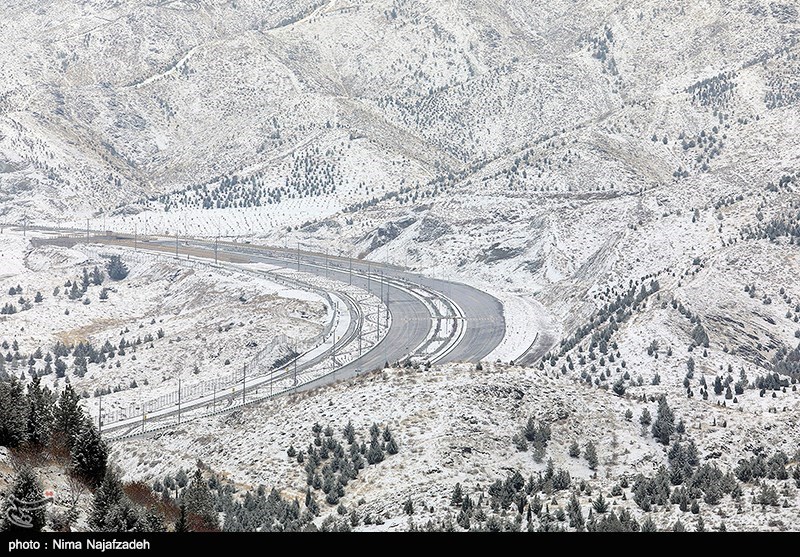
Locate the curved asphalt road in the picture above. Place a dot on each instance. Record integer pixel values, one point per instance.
(484, 324)
(411, 320)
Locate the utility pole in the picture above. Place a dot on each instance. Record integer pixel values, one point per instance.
(100, 416)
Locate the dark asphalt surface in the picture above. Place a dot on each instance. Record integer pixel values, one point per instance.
(411, 320)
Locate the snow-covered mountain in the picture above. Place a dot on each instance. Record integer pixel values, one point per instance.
(516, 136)
(623, 176)
(242, 104)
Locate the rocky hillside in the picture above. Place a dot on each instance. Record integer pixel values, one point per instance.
(207, 105)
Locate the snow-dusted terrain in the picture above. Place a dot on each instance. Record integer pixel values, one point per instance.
(213, 320)
(455, 425)
(624, 177)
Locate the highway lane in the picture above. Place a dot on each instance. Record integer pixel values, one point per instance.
(480, 316)
(412, 323)
(485, 325)
(483, 314)
(411, 320)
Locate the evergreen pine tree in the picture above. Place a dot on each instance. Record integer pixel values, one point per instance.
(80, 365)
(463, 520)
(575, 514)
(717, 386)
(391, 445)
(107, 496)
(181, 478)
(648, 525)
(591, 455)
(75, 292)
(457, 496)
(664, 425)
(149, 520)
(40, 413)
(85, 280)
(181, 525)
(530, 429)
(600, 505)
(97, 276)
(121, 517)
(25, 489)
(349, 433)
(574, 450)
(375, 452)
(67, 416)
(311, 503)
(332, 498)
(14, 413)
(60, 366)
(200, 502)
(89, 455)
(116, 269)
